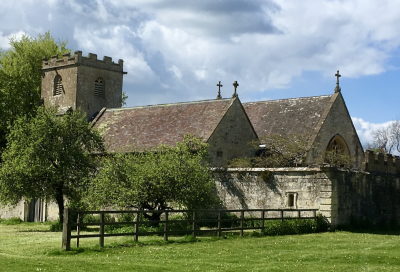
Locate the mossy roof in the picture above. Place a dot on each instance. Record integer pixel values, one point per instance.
(129, 129)
(287, 116)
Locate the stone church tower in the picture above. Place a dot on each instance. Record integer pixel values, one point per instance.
(82, 82)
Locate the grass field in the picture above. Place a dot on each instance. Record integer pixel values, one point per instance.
(29, 247)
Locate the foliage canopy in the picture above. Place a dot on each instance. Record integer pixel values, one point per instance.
(20, 77)
(47, 156)
(156, 178)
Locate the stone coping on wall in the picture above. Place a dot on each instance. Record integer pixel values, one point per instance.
(280, 169)
(78, 59)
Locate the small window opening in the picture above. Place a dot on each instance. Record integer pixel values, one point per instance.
(58, 86)
(220, 154)
(99, 87)
(291, 200)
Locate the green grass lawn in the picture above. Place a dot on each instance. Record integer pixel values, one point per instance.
(29, 247)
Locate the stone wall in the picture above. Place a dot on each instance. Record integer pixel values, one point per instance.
(365, 197)
(381, 163)
(23, 211)
(20, 211)
(231, 137)
(341, 196)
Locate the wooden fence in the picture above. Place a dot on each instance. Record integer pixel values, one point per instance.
(265, 214)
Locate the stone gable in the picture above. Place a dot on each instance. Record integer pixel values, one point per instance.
(337, 121)
(232, 136)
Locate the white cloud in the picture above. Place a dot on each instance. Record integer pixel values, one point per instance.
(364, 129)
(177, 43)
(177, 72)
(5, 40)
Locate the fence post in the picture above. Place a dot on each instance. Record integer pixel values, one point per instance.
(282, 216)
(262, 220)
(241, 222)
(299, 213)
(194, 224)
(77, 231)
(315, 214)
(101, 239)
(219, 232)
(136, 227)
(166, 227)
(66, 235)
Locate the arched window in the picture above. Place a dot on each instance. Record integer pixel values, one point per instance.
(58, 86)
(99, 87)
(338, 145)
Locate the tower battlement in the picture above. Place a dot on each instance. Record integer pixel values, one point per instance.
(383, 163)
(77, 59)
(75, 81)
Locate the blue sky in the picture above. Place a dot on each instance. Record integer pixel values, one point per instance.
(178, 50)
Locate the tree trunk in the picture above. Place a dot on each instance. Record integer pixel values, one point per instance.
(153, 216)
(60, 203)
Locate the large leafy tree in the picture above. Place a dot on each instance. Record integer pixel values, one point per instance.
(48, 156)
(157, 178)
(20, 77)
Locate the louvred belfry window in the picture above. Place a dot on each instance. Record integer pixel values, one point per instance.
(99, 87)
(58, 86)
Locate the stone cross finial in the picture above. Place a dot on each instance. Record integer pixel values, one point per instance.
(235, 84)
(337, 88)
(219, 90)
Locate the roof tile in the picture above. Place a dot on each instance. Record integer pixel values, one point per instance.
(126, 129)
(286, 116)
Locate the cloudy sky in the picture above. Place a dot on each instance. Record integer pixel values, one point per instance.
(178, 50)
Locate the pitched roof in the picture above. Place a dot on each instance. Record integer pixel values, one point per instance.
(287, 116)
(144, 127)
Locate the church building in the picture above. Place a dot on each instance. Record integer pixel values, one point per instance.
(226, 124)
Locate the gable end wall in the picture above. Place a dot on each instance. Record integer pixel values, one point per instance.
(232, 136)
(338, 121)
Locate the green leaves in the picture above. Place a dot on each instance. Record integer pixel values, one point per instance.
(20, 77)
(48, 156)
(156, 178)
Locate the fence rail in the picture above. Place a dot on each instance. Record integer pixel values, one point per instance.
(264, 216)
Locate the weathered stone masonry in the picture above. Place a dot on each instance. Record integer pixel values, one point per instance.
(78, 75)
(340, 195)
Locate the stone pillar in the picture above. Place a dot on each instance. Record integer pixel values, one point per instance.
(329, 200)
(381, 163)
(397, 165)
(391, 168)
(369, 161)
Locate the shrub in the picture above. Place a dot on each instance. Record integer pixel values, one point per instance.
(296, 226)
(56, 226)
(90, 218)
(252, 223)
(173, 226)
(232, 223)
(322, 223)
(12, 221)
